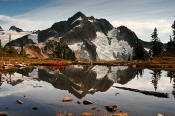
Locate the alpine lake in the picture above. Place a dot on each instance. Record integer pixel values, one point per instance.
(42, 90)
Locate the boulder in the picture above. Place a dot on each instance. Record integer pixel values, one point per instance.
(3, 114)
(120, 114)
(19, 101)
(35, 108)
(78, 102)
(87, 114)
(87, 102)
(67, 99)
(96, 109)
(111, 108)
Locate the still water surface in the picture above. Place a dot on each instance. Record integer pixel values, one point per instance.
(45, 88)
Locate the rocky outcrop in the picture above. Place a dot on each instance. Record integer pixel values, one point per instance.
(34, 51)
(21, 41)
(14, 28)
(56, 49)
(76, 29)
(1, 28)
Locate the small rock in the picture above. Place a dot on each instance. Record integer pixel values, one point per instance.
(87, 102)
(96, 109)
(116, 94)
(67, 99)
(87, 114)
(19, 101)
(35, 108)
(120, 114)
(69, 114)
(111, 108)
(78, 102)
(3, 114)
(168, 115)
(134, 66)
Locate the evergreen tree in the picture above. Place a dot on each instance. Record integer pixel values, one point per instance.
(173, 27)
(171, 43)
(156, 75)
(22, 48)
(156, 47)
(139, 50)
(0, 43)
(171, 74)
(9, 40)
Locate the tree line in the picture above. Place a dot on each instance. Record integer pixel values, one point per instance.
(157, 47)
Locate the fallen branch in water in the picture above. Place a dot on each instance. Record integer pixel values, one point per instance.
(156, 94)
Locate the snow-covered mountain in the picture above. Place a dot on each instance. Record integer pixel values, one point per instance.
(14, 28)
(5, 35)
(92, 39)
(83, 38)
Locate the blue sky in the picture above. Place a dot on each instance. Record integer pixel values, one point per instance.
(141, 16)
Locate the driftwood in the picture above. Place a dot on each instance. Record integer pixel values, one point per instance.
(152, 93)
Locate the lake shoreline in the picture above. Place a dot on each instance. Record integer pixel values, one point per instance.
(159, 63)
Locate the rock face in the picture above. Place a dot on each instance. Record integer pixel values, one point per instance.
(4, 36)
(34, 51)
(14, 28)
(1, 28)
(59, 50)
(23, 40)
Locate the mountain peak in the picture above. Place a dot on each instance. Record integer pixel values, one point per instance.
(79, 14)
(14, 28)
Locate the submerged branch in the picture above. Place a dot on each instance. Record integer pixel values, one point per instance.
(156, 94)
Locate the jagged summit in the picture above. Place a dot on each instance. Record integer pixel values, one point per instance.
(14, 28)
(1, 28)
(77, 28)
(79, 15)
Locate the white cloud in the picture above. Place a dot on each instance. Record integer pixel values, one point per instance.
(27, 24)
(163, 26)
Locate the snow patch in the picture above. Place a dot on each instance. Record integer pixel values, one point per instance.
(109, 48)
(33, 37)
(113, 72)
(101, 71)
(78, 66)
(147, 49)
(76, 46)
(90, 20)
(4, 36)
(79, 19)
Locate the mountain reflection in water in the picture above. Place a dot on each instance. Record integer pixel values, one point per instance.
(80, 80)
(46, 87)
